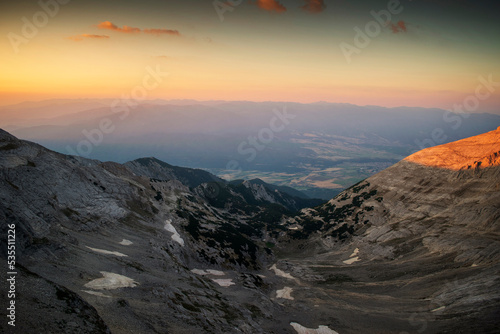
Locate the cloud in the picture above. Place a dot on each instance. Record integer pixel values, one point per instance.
(314, 6)
(162, 32)
(398, 27)
(81, 37)
(132, 30)
(271, 5)
(125, 29)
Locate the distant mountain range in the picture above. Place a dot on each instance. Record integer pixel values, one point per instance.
(147, 247)
(318, 148)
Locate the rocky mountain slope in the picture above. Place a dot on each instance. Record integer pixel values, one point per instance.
(220, 192)
(418, 243)
(157, 169)
(145, 252)
(136, 248)
(319, 148)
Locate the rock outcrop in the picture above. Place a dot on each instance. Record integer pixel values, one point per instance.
(475, 152)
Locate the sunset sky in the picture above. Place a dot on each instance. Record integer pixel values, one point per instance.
(430, 54)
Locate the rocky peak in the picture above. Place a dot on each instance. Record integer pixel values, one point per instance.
(5, 136)
(475, 152)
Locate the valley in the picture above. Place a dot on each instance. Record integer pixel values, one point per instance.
(149, 247)
(320, 149)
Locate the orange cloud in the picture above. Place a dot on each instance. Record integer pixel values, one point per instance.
(162, 32)
(400, 26)
(110, 26)
(83, 36)
(131, 30)
(271, 5)
(314, 6)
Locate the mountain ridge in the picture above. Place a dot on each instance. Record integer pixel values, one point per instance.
(429, 231)
(480, 151)
(413, 245)
(324, 149)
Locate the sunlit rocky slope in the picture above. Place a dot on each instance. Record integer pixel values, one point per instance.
(414, 248)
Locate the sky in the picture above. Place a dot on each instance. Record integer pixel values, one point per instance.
(390, 53)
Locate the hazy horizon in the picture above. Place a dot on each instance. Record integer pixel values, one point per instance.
(307, 93)
(369, 53)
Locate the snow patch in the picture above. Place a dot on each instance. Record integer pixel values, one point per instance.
(281, 273)
(303, 330)
(221, 281)
(215, 272)
(111, 281)
(208, 272)
(224, 281)
(284, 293)
(95, 293)
(439, 309)
(199, 272)
(353, 258)
(103, 251)
(125, 242)
(175, 236)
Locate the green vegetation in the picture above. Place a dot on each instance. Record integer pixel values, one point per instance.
(309, 226)
(357, 187)
(342, 232)
(225, 237)
(271, 214)
(358, 200)
(158, 196)
(345, 196)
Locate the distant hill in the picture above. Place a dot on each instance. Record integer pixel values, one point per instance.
(157, 169)
(255, 191)
(320, 149)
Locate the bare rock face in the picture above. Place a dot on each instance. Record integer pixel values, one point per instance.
(46, 307)
(147, 247)
(71, 218)
(475, 152)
